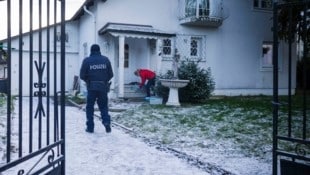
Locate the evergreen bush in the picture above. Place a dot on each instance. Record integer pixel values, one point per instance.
(199, 88)
(201, 83)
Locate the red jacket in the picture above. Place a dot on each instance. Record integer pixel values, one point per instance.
(146, 74)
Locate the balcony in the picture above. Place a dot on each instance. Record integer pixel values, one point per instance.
(205, 13)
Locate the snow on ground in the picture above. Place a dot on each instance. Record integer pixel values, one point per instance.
(212, 153)
(100, 153)
(120, 153)
(115, 153)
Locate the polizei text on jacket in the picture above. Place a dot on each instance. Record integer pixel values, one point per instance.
(97, 66)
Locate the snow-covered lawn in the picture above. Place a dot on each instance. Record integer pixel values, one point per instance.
(219, 137)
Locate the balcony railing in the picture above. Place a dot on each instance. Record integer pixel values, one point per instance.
(211, 15)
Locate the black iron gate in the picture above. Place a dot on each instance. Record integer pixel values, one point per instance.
(291, 122)
(35, 88)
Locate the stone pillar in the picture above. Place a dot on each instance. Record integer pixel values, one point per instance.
(121, 41)
(158, 55)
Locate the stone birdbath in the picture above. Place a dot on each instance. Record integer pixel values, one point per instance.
(174, 84)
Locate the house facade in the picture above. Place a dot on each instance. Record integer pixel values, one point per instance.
(233, 38)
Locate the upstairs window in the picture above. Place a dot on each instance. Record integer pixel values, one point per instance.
(197, 8)
(262, 4)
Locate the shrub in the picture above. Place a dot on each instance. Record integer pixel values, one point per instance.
(201, 83)
(199, 88)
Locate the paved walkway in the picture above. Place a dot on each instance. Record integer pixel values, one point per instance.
(116, 153)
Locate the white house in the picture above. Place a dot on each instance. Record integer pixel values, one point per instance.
(72, 59)
(233, 38)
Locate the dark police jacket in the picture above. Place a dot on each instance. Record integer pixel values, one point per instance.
(96, 71)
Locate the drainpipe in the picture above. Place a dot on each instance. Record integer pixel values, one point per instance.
(83, 85)
(95, 26)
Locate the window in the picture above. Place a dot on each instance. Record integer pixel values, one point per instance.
(167, 47)
(266, 57)
(262, 4)
(126, 56)
(85, 49)
(195, 47)
(58, 37)
(191, 7)
(204, 8)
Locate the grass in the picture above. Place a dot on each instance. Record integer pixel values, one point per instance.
(244, 121)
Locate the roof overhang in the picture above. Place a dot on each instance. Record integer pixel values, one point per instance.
(134, 31)
(80, 12)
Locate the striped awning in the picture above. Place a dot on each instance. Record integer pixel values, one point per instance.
(134, 31)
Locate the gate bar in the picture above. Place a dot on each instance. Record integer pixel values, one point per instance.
(275, 90)
(305, 59)
(48, 73)
(8, 144)
(289, 118)
(20, 77)
(63, 81)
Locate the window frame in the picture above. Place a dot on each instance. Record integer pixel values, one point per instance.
(167, 46)
(259, 5)
(197, 8)
(269, 67)
(266, 56)
(198, 48)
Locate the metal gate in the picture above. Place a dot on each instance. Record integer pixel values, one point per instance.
(291, 122)
(35, 88)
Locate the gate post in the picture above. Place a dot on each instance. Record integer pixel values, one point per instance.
(275, 101)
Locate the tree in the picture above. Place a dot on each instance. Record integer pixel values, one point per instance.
(291, 20)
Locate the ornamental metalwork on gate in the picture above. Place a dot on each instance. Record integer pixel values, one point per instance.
(291, 133)
(32, 88)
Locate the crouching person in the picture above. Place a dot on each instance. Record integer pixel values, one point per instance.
(146, 75)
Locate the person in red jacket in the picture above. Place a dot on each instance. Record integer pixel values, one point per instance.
(146, 75)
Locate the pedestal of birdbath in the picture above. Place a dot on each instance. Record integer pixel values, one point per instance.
(173, 85)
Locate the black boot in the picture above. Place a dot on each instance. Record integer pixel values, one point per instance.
(89, 130)
(107, 128)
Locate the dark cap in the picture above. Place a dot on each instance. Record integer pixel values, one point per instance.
(95, 48)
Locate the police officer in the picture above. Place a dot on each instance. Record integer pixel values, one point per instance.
(96, 71)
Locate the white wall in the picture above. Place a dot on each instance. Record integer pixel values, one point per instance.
(71, 60)
(233, 50)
